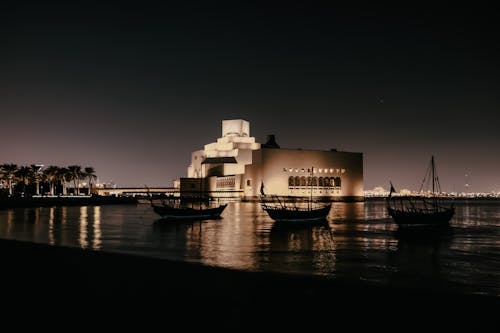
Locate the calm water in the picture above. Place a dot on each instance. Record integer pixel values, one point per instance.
(359, 241)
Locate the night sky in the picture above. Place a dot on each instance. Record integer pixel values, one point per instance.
(133, 88)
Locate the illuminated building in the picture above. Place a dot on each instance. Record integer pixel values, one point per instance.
(236, 167)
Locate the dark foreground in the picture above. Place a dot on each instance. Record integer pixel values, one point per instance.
(45, 285)
(25, 202)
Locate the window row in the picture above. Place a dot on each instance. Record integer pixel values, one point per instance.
(225, 182)
(315, 170)
(314, 181)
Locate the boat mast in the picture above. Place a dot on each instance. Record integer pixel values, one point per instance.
(435, 199)
(433, 176)
(201, 187)
(311, 189)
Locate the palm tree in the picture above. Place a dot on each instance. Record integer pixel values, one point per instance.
(51, 173)
(75, 173)
(24, 174)
(37, 176)
(8, 174)
(63, 176)
(90, 175)
(81, 176)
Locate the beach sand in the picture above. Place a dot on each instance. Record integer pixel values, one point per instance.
(88, 287)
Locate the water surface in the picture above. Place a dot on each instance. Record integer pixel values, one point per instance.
(359, 241)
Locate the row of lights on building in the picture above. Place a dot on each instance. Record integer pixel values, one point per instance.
(315, 170)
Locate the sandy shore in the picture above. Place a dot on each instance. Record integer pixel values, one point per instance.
(86, 285)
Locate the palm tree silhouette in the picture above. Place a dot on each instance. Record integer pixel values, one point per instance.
(89, 173)
(36, 176)
(51, 174)
(76, 174)
(25, 174)
(8, 174)
(63, 176)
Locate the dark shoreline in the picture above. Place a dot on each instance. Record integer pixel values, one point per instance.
(26, 202)
(30, 202)
(497, 199)
(70, 279)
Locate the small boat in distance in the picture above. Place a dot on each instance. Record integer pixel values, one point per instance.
(282, 211)
(290, 209)
(426, 209)
(174, 209)
(170, 212)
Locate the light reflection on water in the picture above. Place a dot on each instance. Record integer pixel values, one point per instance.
(358, 241)
(83, 228)
(96, 243)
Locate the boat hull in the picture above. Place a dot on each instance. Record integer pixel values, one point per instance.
(291, 215)
(174, 213)
(407, 218)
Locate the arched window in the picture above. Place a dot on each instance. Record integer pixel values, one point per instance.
(309, 181)
(291, 181)
(337, 182)
(303, 181)
(297, 181)
(320, 181)
(315, 181)
(326, 181)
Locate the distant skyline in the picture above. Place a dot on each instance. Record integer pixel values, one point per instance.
(132, 89)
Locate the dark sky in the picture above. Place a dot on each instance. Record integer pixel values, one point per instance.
(132, 88)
